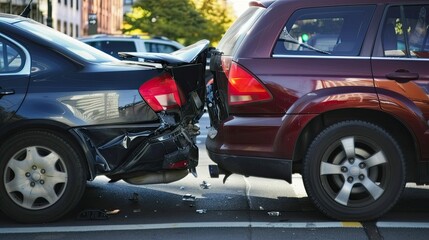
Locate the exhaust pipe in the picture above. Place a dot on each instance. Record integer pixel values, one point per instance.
(215, 171)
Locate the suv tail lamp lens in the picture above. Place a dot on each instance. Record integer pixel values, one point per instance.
(244, 88)
(161, 93)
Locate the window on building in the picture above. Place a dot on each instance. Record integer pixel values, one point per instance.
(71, 3)
(71, 29)
(65, 2)
(65, 27)
(59, 25)
(77, 31)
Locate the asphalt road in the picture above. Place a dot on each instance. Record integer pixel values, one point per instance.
(243, 208)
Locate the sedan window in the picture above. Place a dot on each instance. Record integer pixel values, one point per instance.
(11, 59)
(325, 31)
(67, 43)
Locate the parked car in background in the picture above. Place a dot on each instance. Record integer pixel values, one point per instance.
(69, 112)
(113, 44)
(337, 91)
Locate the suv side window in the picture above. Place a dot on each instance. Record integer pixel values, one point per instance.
(337, 31)
(405, 32)
(159, 47)
(11, 58)
(112, 47)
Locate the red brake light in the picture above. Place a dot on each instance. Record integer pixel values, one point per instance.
(161, 93)
(244, 88)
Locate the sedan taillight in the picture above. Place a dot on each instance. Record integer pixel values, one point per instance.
(243, 87)
(161, 93)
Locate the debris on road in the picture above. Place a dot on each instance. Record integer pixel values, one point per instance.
(201, 211)
(112, 212)
(93, 214)
(188, 198)
(205, 185)
(274, 214)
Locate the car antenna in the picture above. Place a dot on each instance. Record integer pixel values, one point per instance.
(27, 10)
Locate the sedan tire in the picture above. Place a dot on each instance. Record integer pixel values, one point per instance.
(42, 177)
(354, 171)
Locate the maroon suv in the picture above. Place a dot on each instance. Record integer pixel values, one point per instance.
(334, 90)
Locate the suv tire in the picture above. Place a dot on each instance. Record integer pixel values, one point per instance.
(354, 170)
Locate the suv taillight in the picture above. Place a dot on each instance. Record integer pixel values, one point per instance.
(242, 86)
(161, 93)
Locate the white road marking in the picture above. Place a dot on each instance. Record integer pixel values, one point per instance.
(135, 227)
(403, 225)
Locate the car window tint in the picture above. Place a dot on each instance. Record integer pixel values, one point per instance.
(405, 32)
(337, 31)
(11, 58)
(112, 47)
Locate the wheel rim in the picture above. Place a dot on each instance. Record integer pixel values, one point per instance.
(354, 172)
(35, 178)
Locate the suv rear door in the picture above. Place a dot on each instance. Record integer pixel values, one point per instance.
(401, 66)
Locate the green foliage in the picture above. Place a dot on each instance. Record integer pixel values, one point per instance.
(186, 21)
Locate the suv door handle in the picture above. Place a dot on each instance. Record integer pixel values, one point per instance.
(6, 92)
(402, 76)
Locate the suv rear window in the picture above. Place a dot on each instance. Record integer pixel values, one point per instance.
(112, 47)
(325, 31)
(159, 47)
(239, 29)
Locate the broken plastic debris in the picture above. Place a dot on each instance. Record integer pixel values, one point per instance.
(113, 212)
(182, 188)
(93, 214)
(205, 185)
(274, 214)
(261, 208)
(201, 211)
(188, 198)
(134, 198)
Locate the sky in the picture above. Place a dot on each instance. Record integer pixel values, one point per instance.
(239, 5)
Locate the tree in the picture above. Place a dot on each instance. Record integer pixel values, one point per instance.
(186, 21)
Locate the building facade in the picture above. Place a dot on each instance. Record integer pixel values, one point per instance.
(66, 16)
(75, 18)
(102, 17)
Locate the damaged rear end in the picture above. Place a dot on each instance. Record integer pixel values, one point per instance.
(161, 149)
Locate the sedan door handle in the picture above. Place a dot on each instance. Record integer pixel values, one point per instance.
(6, 92)
(402, 76)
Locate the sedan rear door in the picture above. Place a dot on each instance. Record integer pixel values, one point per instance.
(14, 76)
